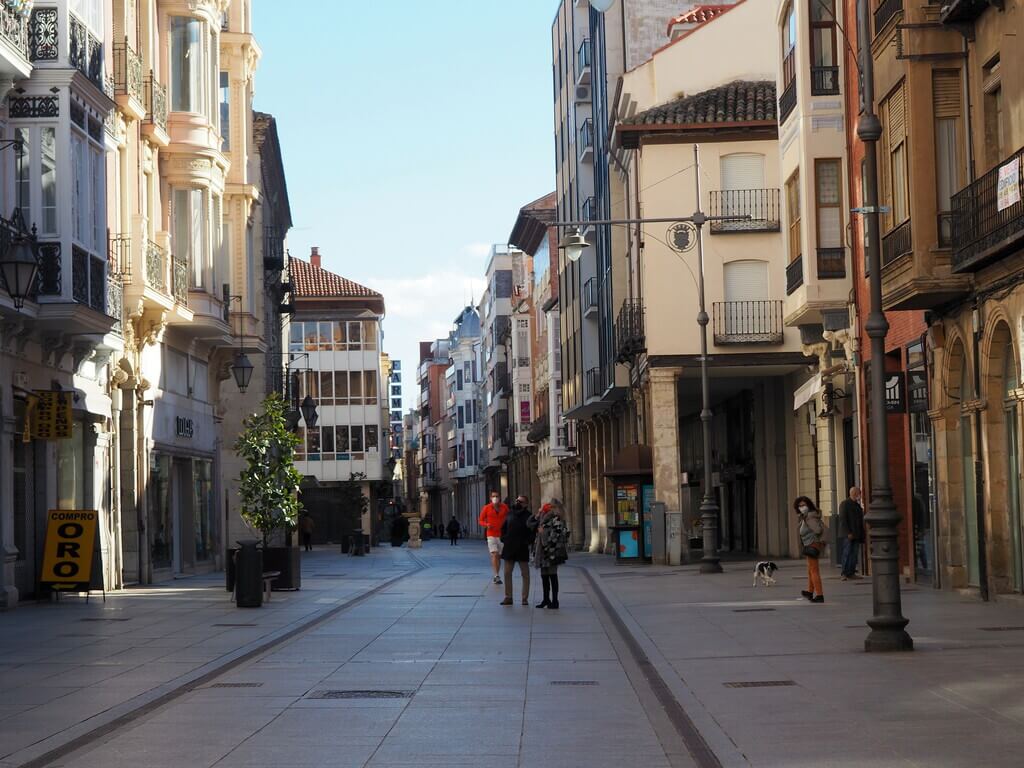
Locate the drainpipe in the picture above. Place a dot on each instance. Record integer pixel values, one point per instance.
(979, 463)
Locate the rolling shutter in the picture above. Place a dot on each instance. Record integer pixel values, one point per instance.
(946, 92)
(743, 171)
(746, 280)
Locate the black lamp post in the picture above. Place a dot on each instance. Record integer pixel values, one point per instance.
(242, 369)
(309, 414)
(19, 267)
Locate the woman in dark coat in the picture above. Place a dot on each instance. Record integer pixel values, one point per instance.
(517, 534)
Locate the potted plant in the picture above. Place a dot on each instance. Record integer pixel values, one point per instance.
(269, 487)
(352, 504)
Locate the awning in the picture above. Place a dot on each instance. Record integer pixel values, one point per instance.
(807, 391)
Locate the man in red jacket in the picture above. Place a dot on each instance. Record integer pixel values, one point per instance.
(492, 517)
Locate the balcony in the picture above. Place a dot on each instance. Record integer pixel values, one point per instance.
(592, 387)
(988, 216)
(273, 249)
(14, 38)
(965, 11)
(156, 267)
(589, 210)
(586, 140)
(129, 86)
(831, 263)
(179, 280)
(590, 293)
(896, 242)
(884, 13)
(154, 125)
(119, 256)
(630, 339)
(761, 205)
(747, 322)
(284, 382)
(583, 63)
(85, 52)
(794, 274)
(787, 101)
(824, 81)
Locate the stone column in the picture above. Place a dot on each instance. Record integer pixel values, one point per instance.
(664, 423)
(8, 552)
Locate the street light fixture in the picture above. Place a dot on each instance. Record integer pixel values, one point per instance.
(601, 6)
(242, 369)
(573, 245)
(309, 414)
(19, 267)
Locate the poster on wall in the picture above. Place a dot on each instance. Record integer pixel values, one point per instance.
(626, 505)
(48, 414)
(1008, 186)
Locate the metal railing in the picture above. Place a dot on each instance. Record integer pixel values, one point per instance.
(119, 256)
(179, 280)
(155, 94)
(885, 11)
(761, 205)
(128, 79)
(583, 58)
(896, 242)
(980, 229)
(824, 81)
(14, 28)
(831, 263)
(794, 274)
(49, 282)
(589, 210)
(156, 267)
(85, 52)
(787, 101)
(590, 295)
(592, 385)
(273, 248)
(748, 322)
(630, 338)
(586, 141)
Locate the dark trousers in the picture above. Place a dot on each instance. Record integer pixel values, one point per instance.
(453, 539)
(851, 552)
(307, 540)
(550, 586)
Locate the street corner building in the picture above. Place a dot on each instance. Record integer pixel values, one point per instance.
(334, 357)
(155, 202)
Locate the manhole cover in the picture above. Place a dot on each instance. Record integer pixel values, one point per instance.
(235, 685)
(105, 618)
(751, 610)
(233, 625)
(760, 684)
(574, 682)
(1001, 629)
(345, 694)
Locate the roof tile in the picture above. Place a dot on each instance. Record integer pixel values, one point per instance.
(736, 102)
(311, 281)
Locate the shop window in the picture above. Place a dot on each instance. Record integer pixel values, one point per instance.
(203, 509)
(161, 522)
(370, 387)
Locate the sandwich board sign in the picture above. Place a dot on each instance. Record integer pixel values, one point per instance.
(69, 554)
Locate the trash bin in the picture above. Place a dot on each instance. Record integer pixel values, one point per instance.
(357, 543)
(346, 543)
(229, 569)
(249, 575)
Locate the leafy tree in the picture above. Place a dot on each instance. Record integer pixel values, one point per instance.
(269, 484)
(353, 502)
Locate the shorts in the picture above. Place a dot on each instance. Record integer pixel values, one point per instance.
(494, 545)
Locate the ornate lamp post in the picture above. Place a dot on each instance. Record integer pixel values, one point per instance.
(19, 267)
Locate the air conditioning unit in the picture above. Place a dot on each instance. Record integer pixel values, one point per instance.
(583, 93)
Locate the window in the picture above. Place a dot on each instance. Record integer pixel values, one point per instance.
(788, 47)
(341, 387)
(325, 340)
(372, 435)
(175, 373)
(327, 439)
(356, 438)
(313, 442)
(824, 70)
(187, 43)
(355, 335)
(24, 173)
(300, 449)
(462, 417)
(189, 218)
(340, 337)
(991, 86)
(48, 162)
(458, 380)
(341, 442)
(895, 170)
(793, 210)
(200, 381)
(355, 388)
(370, 387)
(369, 334)
(946, 105)
(326, 387)
(225, 111)
(295, 338)
(827, 186)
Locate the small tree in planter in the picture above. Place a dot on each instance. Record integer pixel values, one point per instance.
(352, 503)
(269, 483)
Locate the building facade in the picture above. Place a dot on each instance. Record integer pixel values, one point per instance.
(431, 437)
(464, 406)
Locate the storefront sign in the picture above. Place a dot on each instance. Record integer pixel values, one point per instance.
(917, 391)
(69, 549)
(183, 427)
(1008, 186)
(895, 393)
(49, 414)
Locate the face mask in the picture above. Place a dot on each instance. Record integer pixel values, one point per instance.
(494, 500)
(804, 509)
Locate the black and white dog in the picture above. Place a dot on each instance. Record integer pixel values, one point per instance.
(765, 572)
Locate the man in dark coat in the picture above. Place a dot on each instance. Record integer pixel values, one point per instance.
(517, 534)
(851, 532)
(454, 529)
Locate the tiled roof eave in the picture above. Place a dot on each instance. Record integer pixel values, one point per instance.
(696, 127)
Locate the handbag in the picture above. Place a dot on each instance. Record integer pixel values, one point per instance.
(811, 550)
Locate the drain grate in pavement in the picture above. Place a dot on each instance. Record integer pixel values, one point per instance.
(751, 610)
(355, 694)
(1001, 629)
(574, 682)
(105, 618)
(327, 575)
(760, 684)
(456, 595)
(235, 685)
(233, 625)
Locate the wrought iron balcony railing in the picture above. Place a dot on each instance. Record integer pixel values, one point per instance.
(590, 296)
(831, 263)
(592, 385)
(583, 59)
(273, 248)
(896, 242)
(794, 274)
(156, 267)
(787, 100)
(586, 139)
(748, 322)
(85, 51)
(128, 79)
(824, 81)
(630, 338)
(119, 256)
(179, 280)
(49, 281)
(761, 205)
(14, 28)
(885, 11)
(988, 216)
(156, 102)
(589, 210)
(88, 279)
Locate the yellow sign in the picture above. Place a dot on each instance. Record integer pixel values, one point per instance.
(49, 414)
(68, 553)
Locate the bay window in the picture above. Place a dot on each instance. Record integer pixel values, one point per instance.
(187, 48)
(37, 158)
(189, 232)
(225, 111)
(88, 193)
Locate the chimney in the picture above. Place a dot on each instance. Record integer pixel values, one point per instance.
(314, 256)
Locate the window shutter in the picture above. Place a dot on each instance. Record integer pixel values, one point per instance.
(897, 123)
(743, 171)
(746, 280)
(946, 92)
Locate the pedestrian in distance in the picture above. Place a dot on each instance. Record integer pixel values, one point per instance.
(550, 550)
(851, 531)
(492, 518)
(517, 536)
(812, 537)
(306, 526)
(454, 529)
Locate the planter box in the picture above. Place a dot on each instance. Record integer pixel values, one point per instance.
(288, 561)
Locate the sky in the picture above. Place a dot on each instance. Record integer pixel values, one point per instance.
(412, 132)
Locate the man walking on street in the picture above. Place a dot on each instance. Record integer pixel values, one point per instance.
(454, 529)
(517, 537)
(306, 526)
(492, 517)
(851, 530)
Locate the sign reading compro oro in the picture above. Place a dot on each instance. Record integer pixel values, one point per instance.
(68, 553)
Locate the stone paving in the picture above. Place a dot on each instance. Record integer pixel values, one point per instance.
(429, 670)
